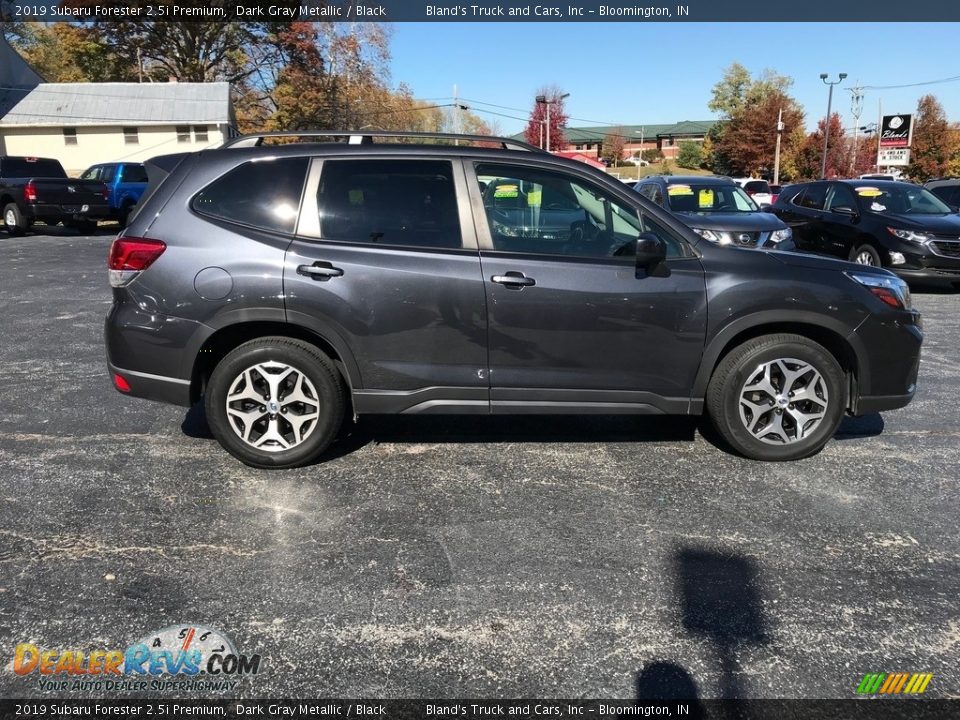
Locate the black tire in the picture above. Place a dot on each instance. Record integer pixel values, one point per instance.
(318, 371)
(866, 255)
(14, 221)
(743, 364)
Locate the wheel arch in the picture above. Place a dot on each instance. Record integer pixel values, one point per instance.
(837, 340)
(224, 339)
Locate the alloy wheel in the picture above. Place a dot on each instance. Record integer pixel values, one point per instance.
(272, 406)
(783, 401)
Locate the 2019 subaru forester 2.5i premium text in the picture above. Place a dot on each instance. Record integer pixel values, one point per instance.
(290, 285)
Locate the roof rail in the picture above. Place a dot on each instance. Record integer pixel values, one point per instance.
(365, 137)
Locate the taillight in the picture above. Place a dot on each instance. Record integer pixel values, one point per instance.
(120, 383)
(30, 192)
(105, 192)
(130, 256)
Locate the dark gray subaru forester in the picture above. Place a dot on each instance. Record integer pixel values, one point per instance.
(290, 285)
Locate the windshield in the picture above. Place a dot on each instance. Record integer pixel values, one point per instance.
(899, 200)
(703, 198)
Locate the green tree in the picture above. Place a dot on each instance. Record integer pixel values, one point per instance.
(690, 154)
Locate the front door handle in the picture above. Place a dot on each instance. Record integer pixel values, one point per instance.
(515, 280)
(320, 270)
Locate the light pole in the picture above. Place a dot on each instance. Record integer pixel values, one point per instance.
(643, 133)
(826, 130)
(776, 153)
(543, 99)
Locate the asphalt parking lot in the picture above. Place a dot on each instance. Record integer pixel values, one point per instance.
(518, 557)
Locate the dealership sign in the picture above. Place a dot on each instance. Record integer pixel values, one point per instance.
(893, 156)
(895, 131)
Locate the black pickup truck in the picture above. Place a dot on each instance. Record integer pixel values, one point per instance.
(34, 189)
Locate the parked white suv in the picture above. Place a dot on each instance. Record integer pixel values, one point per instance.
(757, 189)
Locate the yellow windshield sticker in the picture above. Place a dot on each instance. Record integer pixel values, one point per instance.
(869, 191)
(705, 198)
(534, 198)
(506, 191)
(356, 197)
(679, 190)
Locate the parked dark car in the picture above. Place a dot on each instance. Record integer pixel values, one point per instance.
(717, 209)
(125, 185)
(775, 193)
(881, 223)
(291, 286)
(33, 188)
(948, 190)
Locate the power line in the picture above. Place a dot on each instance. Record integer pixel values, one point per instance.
(955, 78)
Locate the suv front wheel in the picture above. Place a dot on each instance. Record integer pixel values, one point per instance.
(275, 402)
(777, 397)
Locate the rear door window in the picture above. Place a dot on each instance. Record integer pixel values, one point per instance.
(813, 197)
(264, 194)
(407, 203)
(842, 196)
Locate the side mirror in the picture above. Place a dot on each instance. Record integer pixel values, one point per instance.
(651, 250)
(766, 207)
(954, 208)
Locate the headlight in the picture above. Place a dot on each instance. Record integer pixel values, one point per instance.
(911, 235)
(713, 235)
(778, 236)
(890, 289)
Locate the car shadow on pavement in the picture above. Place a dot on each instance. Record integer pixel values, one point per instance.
(851, 428)
(719, 597)
(485, 428)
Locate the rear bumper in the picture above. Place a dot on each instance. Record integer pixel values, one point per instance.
(152, 387)
(58, 213)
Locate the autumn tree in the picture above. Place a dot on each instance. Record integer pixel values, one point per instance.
(933, 147)
(744, 141)
(747, 142)
(810, 155)
(612, 147)
(538, 120)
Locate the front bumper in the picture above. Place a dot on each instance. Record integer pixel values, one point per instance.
(937, 261)
(890, 363)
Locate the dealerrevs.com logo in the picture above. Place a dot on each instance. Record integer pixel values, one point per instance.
(179, 657)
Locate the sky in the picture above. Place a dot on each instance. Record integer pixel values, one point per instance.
(637, 73)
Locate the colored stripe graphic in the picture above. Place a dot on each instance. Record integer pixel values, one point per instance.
(918, 683)
(894, 683)
(871, 683)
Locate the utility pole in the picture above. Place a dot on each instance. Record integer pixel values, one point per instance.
(856, 109)
(826, 129)
(776, 154)
(456, 114)
(879, 129)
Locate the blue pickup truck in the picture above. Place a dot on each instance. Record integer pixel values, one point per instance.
(125, 184)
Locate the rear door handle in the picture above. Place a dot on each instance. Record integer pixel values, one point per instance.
(320, 270)
(513, 279)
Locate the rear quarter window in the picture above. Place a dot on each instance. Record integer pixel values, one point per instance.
(264, 194)
(134, 173)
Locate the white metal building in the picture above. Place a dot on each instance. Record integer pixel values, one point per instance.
(81, 124)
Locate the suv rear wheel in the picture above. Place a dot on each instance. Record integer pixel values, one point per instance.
(275, 402)
(777, 397)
